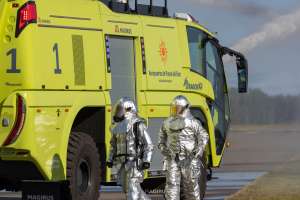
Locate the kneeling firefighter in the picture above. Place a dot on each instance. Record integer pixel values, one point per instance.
(131, 149)
(182, 141)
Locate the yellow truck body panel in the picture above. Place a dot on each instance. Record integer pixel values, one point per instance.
(59, 65)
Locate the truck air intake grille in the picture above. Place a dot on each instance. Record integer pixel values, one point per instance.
(78, 58)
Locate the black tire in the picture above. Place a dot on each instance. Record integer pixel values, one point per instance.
(83, 167)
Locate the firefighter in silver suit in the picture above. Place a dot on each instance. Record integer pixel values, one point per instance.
(131, 149)
(182, 141)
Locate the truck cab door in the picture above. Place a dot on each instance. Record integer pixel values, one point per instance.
(220, 106)
(122, 67)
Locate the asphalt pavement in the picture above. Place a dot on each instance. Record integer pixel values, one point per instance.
(253, 152)
(222, 185)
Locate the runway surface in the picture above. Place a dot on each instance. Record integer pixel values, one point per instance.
(223, 184)
(254, 151)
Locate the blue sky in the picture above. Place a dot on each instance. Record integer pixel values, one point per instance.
(273, 62)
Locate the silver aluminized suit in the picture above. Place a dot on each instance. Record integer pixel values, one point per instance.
(130, 147)
(182, 141)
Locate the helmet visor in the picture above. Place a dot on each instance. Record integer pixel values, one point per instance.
(176, 110)
(119, 113)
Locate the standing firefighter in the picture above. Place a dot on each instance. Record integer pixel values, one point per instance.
(131, 149)
(182, 141)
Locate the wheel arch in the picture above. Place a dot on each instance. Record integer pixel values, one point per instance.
(91, 121)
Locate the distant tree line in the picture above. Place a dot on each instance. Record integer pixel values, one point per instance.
(257, 107)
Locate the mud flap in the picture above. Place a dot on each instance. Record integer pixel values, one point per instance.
(45, 190)
(154, 185)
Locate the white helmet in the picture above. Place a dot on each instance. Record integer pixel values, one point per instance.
(179, 105)
(123, 106)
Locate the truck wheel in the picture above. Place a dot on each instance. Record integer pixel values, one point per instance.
(83, 167)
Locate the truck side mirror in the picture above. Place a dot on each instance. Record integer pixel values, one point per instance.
(242, 70)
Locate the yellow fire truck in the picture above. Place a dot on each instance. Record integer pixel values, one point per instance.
(63, 63)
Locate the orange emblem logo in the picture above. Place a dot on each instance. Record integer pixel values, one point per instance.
(163, 51)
